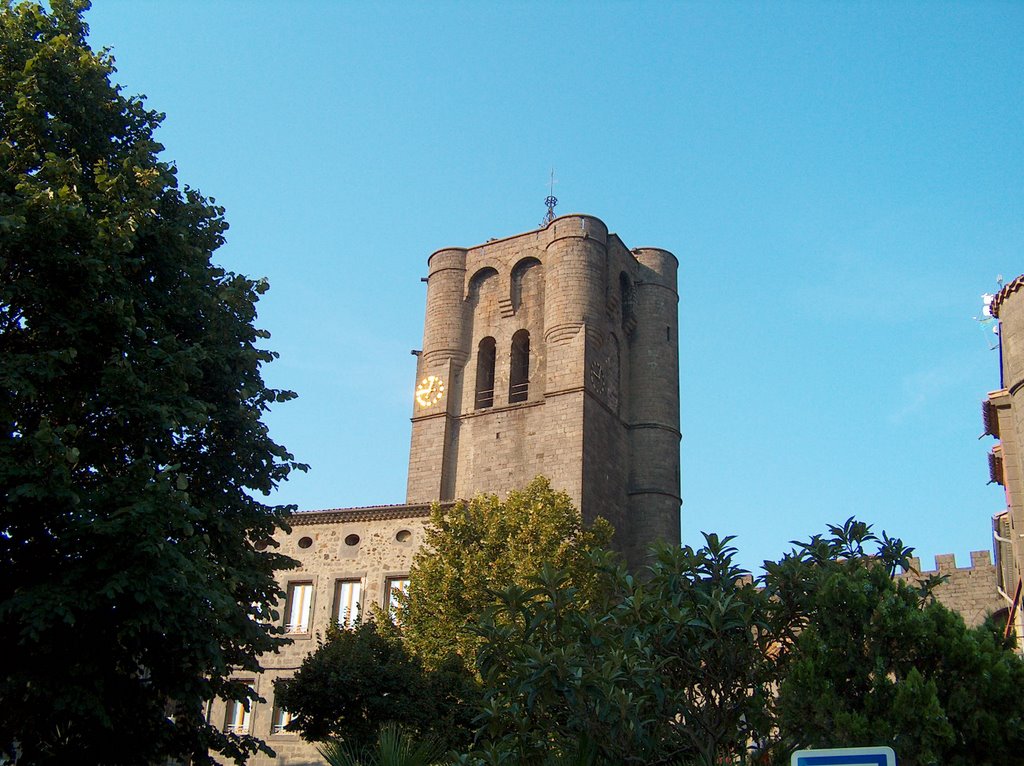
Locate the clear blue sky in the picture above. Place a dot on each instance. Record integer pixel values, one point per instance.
(840, 183)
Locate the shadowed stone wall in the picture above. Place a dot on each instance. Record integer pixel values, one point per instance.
(600, 416)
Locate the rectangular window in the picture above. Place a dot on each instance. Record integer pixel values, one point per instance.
(347, 596)
(299, 608)
(238, 716)
(279, 720)
(393, 587)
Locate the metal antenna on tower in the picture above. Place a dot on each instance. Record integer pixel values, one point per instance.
(550, 201)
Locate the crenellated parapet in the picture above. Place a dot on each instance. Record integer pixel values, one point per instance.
(971, 591)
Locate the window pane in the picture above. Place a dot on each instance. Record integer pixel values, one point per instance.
(396, 586)
(280, 719)
(346, 602)
(237, 717)
(485, 357)
(519, 377)
(300, 603)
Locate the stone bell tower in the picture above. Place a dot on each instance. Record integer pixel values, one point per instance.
(553, 352)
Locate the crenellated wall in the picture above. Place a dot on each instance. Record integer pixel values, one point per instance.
(970, 591)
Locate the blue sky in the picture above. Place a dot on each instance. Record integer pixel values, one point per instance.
(840, 183)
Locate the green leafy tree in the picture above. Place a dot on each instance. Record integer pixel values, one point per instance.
(697, 663)
(132, 450)
(559, 680)
(360, 678)
(674, 667)
(715, 631)
(870, 659)
(394, 747)
(475, 549)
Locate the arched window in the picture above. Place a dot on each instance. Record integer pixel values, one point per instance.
(482, 285)
(519, 374)
(527, 284)
(485, 374)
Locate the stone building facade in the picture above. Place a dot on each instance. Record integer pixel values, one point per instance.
(553, 352)
(969, 591)
(349, 558)
(1003, 418)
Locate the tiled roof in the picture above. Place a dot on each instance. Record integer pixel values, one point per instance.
(990, 419)
(995, 468)
(365, 513)
(1008, 289)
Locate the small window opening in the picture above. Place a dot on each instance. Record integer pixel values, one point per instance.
(519, 378)
(281, 718)
(347, 597)
(485, 374)
(352, 540)
(299, 607)
(238, 715)
(403, 536)
(395, 591)
(305, 542)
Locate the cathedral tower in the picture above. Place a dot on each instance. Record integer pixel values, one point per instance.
(553, 352)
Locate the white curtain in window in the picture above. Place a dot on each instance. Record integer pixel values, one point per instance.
(396, 585)
(300, 602)
(348, 598)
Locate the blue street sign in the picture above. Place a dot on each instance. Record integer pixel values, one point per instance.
(845, 756)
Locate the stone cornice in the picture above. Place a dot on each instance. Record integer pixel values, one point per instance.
(367, 513)
(1008, 289)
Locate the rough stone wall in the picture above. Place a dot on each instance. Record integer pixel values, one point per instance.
(601, 419)
(606, 489)
(383, 551)
(505, 448)
(969, 591)
(426, 457)
(654, 403)
(1004, 419)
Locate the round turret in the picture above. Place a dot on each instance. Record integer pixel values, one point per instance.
(443, 330)
(662, 264)
(574, 270)
(1008, 307)
(654, 401)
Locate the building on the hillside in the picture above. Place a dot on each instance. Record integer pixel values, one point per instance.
(551, 352)
(1003, 418)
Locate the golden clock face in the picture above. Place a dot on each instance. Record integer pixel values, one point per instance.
(430, 391)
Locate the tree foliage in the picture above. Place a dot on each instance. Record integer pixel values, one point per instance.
(360, 678)
(698, 664)
(475, 549)
(131, 441)
(872, 659)
(394, 747)
(674, 667)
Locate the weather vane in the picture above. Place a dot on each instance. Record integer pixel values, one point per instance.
(550, 201)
